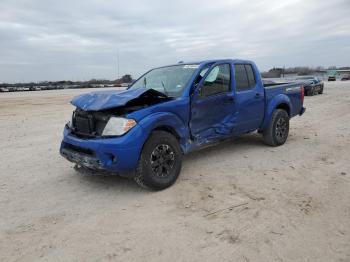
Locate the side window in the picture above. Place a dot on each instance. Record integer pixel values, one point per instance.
(217, 81)
(251, 77)
(241, 78)
(244, 76)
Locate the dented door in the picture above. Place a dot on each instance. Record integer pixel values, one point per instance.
(213, 110)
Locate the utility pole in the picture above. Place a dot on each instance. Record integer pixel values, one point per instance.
(117, 63)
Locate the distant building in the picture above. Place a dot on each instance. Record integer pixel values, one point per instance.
(273, 73)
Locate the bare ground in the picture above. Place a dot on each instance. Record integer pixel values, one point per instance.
(238, 201)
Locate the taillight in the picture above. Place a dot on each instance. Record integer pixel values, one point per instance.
(302, 93)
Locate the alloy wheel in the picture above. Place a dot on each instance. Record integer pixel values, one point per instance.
(162, 160)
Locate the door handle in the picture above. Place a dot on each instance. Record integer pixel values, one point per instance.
(257, 95)
(229, 100)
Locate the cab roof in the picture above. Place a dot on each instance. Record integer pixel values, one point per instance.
(212, 61)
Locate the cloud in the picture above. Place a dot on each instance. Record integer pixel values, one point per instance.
(54, 40)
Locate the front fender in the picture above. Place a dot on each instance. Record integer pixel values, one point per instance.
(161, 119)
(272, 105)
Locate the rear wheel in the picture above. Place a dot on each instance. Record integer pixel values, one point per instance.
(311, 91)
(277, 132)
(308, 92)
(160, 161)
(321, 90)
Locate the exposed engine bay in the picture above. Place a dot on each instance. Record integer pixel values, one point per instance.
(91, 123)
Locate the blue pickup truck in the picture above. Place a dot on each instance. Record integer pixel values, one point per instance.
(144, 131)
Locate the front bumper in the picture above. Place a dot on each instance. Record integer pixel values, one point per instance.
(117, 155)
(86, 160)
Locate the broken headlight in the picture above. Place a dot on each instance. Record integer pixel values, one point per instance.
(117, 126)
(70, 122)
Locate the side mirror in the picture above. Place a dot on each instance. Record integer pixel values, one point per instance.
(199, 90)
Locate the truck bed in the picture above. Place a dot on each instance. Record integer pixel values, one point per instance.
(292, 92)
(269, 84)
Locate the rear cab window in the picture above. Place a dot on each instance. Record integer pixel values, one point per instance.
(244, 77)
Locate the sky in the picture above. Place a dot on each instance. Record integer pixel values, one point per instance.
(80, 40)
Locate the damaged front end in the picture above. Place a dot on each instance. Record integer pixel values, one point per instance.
(81, 156)
(100, 136)
(94, 110)
(97, 101)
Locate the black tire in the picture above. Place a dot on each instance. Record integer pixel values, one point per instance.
(308, 92)
(311, 91)
(277, 132)
(321, 90)
(160, 161)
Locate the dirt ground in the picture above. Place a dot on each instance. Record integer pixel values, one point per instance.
(238, 201)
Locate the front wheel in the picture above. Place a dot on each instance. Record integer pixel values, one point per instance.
(160, 161)
(277, 132)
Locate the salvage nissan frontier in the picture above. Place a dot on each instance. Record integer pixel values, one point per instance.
(144, 131)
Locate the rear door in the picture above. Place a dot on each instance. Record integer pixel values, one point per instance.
(249, 98)
(212, 105)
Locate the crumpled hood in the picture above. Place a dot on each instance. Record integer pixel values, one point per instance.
(102, 100)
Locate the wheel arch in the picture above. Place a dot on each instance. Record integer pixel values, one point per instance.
(285, 107)
(170, 123)
(169, 129)
(280, 101)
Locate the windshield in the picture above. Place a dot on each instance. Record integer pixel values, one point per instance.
(169, 80)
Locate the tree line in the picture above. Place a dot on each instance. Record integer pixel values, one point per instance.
(298, 70)
(127, 78)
